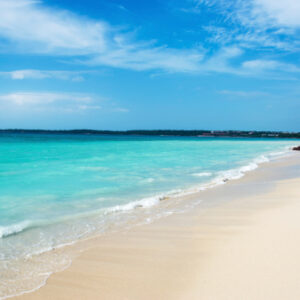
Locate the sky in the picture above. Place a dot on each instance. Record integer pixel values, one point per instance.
(159, 64)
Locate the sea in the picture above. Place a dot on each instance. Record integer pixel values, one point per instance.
(58, 189)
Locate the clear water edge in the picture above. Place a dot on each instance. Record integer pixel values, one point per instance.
(113, 218)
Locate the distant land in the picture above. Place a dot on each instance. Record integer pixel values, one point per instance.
(162, 132)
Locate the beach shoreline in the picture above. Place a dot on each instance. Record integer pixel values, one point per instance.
(197, 254)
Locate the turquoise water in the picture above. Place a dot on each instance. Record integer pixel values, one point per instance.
(55, 189)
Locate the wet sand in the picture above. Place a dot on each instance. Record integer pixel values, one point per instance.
(241, 242)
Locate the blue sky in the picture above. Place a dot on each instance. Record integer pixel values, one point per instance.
(132, 64)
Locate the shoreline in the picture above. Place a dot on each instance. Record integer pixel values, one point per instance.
(162, 132)
(38, 266)
(143, 258)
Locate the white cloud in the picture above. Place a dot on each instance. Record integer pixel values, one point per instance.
(220, 61)
(256, 24)
(34, 28)
(284, 13)
(268, 65)
(277, 12)
(36, 102)
(40, 29)
(121, 109)
(42, 74)
(141, 58)
(87, 107)
(33, 98)
(244, 94)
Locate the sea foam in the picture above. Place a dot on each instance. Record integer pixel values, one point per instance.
(202, 174)
(6, 231)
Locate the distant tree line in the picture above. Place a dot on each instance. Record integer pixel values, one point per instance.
(162, 132)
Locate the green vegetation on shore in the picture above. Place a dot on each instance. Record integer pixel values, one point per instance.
(213, 133)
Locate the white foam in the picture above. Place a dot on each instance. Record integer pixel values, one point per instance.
(280, 154)
(203, 174)
(261, 159)
(149, 180)
(238, 173)
(14, 228)
(143, 203)
(221, 178)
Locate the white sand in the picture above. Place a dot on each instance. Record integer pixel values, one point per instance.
(247, 247)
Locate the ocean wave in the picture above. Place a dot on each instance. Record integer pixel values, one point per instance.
(143, 203)
(6, 231)
(261, 159)
(237, 173)
(221, 178)
(202, 174)
(233, 174)
(149, 180)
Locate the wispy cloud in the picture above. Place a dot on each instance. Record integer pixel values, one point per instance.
(243, 94)
(31, 102)
(63, 33)
(262, 30)
(97, 43)
(137, 57)
(252, 23)
(42, 74)
(271, 13)
(121, 7)
(121, 109)
(277, 13)
(34, 98)
(45, 101)
(266, 65)
(36, 28)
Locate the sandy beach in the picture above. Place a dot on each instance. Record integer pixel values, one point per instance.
(150, 150)
(242, 243)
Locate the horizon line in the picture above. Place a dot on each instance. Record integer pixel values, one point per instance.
(148, 130)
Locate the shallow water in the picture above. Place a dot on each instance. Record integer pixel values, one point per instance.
(56, 189)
